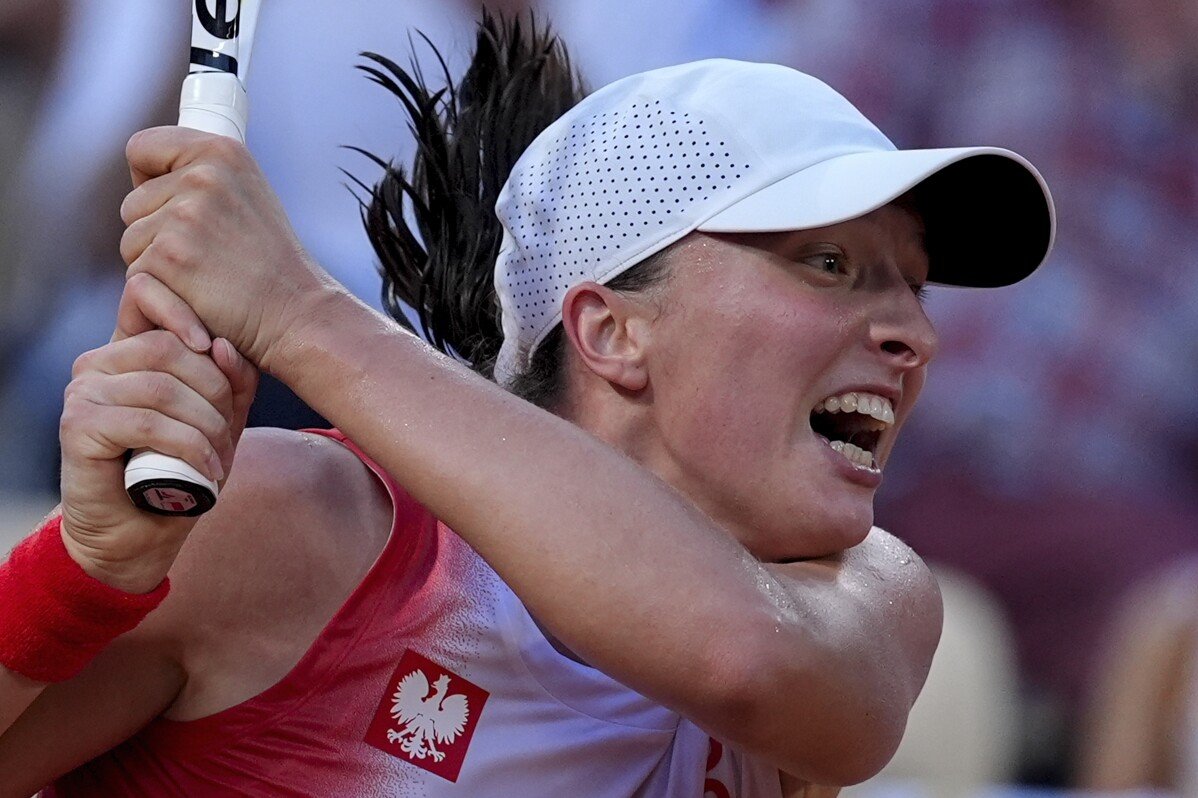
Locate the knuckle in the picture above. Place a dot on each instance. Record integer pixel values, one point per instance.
(128, 215)
(126, 247)
(186, 212)
(70, 395)
(70, 423)
(145, 422)
(139, 285)
(201, 177)
(139, 266)
(161, 390)
(223, 148)
(84, 363)
(162, 348)
(169, 249)
(133, 146)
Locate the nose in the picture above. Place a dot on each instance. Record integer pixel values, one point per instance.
(902, 331)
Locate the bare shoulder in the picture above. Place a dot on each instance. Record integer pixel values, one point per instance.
(902, 587)
(287, 485)
(885, 556)
(292, 500)
(297, 526)
(881, 570)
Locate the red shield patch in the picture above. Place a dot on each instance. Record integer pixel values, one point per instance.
(427, 716)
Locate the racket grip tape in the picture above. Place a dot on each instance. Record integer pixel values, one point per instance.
(214, 102)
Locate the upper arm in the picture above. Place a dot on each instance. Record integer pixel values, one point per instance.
(829, 702)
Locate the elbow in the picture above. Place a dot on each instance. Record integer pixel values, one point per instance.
(825, 726)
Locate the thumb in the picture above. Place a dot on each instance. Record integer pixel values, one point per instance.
(243, 378)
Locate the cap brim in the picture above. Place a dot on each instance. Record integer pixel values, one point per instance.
(988, 213)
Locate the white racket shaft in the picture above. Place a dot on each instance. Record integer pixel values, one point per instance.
(214, 101)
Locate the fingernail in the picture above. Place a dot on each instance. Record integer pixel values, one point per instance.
(198, 339)
(215, 469)
(234, 355)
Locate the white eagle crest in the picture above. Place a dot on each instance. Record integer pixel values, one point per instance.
(426, 719)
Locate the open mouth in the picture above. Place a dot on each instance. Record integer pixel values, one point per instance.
(853, 423)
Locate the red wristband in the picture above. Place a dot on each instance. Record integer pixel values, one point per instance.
(54, 617)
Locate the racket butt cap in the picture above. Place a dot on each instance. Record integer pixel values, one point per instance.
(168, 486)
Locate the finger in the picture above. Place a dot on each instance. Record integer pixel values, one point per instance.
(148, 197)
(243, 380)
(138, 235)
(161, 351)
(241, 373)
(178, 212)
(147, 304)
(103, 432)
(163, 393)
(156, 193)
(159, 150)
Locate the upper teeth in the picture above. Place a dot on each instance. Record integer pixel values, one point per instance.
(869, 404)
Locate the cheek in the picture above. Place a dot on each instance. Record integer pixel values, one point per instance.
(741, 375)
(913, 383)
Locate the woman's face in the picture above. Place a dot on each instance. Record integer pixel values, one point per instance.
(770, 349)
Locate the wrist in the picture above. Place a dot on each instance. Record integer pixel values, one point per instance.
(314, 321)
(55, 617)
(135, 572)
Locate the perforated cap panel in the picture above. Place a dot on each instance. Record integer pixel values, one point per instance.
(607, 191)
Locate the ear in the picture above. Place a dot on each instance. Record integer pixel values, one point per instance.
(610, 333)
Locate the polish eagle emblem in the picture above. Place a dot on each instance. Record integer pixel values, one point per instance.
(423, 720)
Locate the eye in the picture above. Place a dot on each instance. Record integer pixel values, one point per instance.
(920, 291)
(828, 262)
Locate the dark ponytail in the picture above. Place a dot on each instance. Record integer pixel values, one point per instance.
(433, 227)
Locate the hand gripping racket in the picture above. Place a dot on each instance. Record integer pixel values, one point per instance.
(213, 100)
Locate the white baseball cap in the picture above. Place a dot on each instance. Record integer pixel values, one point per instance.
(729, 146)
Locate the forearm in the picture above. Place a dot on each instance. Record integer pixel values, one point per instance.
(17, 693)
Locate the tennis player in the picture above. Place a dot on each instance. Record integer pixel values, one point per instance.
(629, 552)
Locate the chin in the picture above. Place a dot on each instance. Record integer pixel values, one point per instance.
(831, 531)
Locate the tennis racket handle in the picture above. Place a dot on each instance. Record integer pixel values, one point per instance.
(167, 485)
(214, 102)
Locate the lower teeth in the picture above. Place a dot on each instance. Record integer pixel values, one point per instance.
(854, 454)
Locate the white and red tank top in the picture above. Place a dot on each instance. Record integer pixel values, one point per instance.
(431, 680)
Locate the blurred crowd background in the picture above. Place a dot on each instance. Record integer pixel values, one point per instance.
(1050, 472)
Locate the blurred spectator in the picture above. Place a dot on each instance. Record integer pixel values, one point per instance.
(29, 37)
(1143, 722)
(110, 78)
